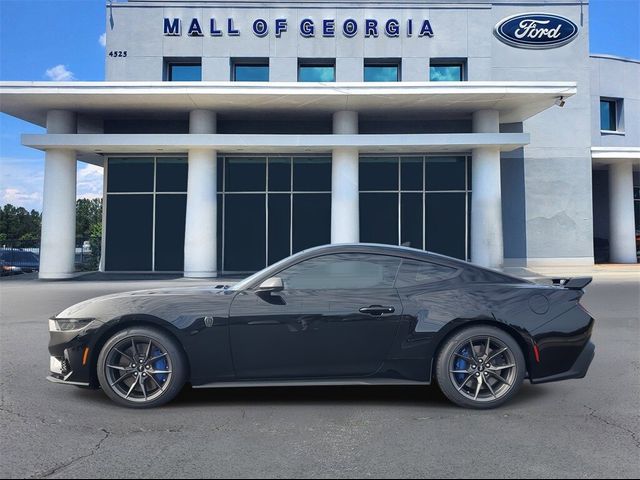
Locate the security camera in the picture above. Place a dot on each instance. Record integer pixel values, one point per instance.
(560, 101)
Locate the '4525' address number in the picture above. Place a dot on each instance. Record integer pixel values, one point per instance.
(118, 53)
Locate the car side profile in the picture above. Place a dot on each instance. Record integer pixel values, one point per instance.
(358, 314)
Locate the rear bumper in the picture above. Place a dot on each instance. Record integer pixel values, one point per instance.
(578, 370)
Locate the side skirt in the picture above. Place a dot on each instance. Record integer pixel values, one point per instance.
(311, 383)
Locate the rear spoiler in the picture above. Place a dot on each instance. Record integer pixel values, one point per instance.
(577, 283)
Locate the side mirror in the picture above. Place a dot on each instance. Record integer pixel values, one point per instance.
(273, 284)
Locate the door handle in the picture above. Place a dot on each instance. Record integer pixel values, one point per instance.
(377, 310)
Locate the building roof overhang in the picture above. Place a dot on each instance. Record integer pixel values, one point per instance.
(603, 156)
(516, 101)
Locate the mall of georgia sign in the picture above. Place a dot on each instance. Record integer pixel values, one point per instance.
(536, 30)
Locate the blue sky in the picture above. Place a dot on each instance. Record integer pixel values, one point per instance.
(60, 40)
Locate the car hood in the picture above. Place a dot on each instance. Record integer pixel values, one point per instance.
(161, 302)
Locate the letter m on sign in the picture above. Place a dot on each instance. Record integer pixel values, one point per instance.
(172, 27)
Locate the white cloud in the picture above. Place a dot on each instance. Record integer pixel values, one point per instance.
(89, 183)
(59, 73)
(17, 197)
(102, 40)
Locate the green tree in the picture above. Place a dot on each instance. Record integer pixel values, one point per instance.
(88, 214)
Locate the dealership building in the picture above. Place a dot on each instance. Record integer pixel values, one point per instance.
(233, 134)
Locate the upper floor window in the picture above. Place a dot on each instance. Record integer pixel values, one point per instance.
(447, 70)
(250, 70)
(183, 70)
(611, 115)
(317, 70)
(381, 70)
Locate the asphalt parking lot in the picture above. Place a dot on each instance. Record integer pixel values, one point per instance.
(576, 429)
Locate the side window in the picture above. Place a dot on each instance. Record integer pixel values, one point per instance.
(342, 271)
(413, 272)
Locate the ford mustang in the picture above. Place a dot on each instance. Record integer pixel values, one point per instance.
(356, 314)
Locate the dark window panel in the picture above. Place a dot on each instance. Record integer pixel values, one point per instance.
(608, 115)
(219, 222)
(312, 174)
(445, 173)
(280, 174)
(220, 173)
(170, 222)
(342, 271)
(311, 220)
(411, 205)
(378, 173)
(279, 226)
(244, 236)
(171, 175)
(245, 174)
(379, 218)
(445, 223)
(133, 174)
(411, 175)
(129, 232)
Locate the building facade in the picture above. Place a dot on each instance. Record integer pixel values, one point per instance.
(233, 134)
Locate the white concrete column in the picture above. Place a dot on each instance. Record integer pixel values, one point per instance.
(345, 194)
(200, 235)
(58, 234)
(622, 240)
(487, 247)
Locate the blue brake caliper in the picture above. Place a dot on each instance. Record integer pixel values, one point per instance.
(160, 364)
(462, 364)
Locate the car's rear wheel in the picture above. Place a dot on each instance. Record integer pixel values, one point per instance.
(480, 367)
(141, 367)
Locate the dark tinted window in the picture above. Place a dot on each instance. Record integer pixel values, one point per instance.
(445, 227)
(342, 271)
(312, 174)
(311, 220)
(411, 220)
(171, 175)
(245, 174)
(170, 221)
(445, 173)
(608, 115)
(129, 232)
(379, 218)
(279, 226)
(378, 173)
(244, 234)
(280, 174)
(411, 173)
(130, 175)
(413, 272)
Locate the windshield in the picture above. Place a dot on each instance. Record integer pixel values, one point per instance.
(18, 256)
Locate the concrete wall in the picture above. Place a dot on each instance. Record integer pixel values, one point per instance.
(617, 78)
(547, 185)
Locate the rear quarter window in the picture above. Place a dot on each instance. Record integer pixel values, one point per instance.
(413, 272)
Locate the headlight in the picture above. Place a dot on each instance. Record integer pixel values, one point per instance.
(68, 324)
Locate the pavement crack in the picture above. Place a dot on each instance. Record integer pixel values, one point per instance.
(634, 435)
(74, 460)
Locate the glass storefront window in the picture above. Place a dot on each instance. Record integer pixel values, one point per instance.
(244, 232)
(169, 232)
(312, 174)
(378, 173)
(250, 72)
(280, 174)
(445, 173)
(129, 232)
(245, 174)
(133, 174)
(171, 175)
(446, 72)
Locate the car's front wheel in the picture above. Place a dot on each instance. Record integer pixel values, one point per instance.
(480, 367)
(141, 367)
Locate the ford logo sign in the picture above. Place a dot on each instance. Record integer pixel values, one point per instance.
(536, 30)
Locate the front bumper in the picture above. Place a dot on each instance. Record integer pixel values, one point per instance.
(68, 363)
(578, 370)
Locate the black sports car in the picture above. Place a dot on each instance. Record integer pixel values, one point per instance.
(333, 315)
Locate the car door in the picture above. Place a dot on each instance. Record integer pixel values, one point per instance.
(337, 316)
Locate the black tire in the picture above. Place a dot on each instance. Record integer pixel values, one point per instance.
(158, 387)
(493, 392)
